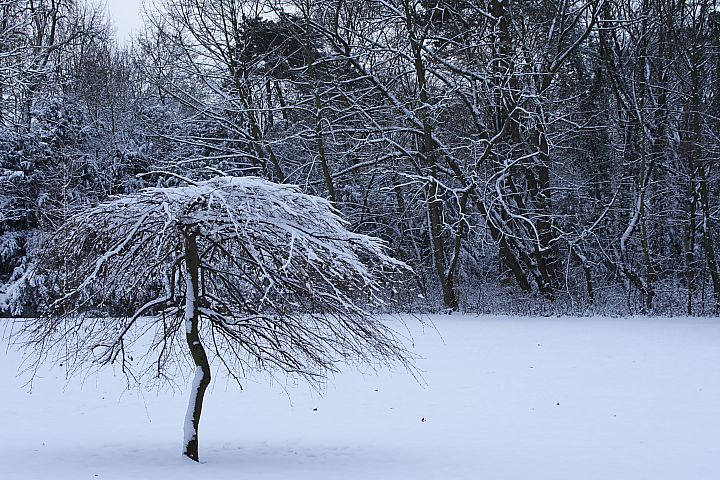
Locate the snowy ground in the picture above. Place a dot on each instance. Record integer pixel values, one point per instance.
(506, 398)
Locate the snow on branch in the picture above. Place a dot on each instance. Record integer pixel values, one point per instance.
(283, 284)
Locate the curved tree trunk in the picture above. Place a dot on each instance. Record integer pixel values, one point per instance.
(192, 334)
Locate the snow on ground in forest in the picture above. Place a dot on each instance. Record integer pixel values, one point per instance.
(506, 398)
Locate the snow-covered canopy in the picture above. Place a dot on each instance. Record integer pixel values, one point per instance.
(282, 281)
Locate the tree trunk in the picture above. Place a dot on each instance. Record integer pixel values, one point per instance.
(689, 149)
(428, 154)
(707, 228)
(690, 237)
(192, 334)
(447, 283)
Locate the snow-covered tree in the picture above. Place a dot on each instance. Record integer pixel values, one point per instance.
(247, 273)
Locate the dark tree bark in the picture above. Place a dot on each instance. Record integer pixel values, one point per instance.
(202, 366)
(429, 153)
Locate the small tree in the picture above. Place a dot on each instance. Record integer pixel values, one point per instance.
(252, 274)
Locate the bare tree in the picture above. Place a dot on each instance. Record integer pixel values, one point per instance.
(253, 274)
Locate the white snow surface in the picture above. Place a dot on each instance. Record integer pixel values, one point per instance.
(505, 398)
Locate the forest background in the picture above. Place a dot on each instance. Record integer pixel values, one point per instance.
(536, 157)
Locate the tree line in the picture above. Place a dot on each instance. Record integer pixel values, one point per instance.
(539, 156)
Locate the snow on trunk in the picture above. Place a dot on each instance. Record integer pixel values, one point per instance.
(189, 303)
(190, 429)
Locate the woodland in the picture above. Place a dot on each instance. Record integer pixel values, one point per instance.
(534, 157)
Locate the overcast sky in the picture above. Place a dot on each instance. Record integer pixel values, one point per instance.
(125, 15)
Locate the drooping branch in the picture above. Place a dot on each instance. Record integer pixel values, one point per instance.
(271, 275)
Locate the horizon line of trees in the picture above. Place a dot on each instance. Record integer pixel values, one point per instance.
(539, 156)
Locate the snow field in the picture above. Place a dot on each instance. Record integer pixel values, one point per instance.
(504, 399)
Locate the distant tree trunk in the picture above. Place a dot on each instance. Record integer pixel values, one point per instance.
(317, 101)
(428, 152)
(202, 366)
(708, 242)
(697, 59)
(690, 238)
(690, 150)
